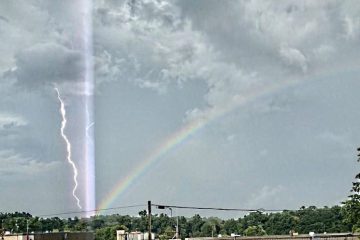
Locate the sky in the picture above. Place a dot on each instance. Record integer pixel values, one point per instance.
(239, 104)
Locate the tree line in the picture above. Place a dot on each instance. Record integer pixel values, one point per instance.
(307, 219)
(336, 219)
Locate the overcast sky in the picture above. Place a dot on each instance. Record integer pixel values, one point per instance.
(277, 83)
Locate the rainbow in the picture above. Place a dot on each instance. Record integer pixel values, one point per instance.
(181, 136)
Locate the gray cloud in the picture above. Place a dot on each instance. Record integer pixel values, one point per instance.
(15, 164)
(267, 58)
(156, 43)
(52, 52)
(4, 19)
(10, 120)
(11, 125)
(42, 46)
(294, 57)
(48, 63)
(160, 62)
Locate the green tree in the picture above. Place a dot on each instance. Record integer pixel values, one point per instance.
(254, 231)
(81, 225)
(194, 226)
(106, 233)
(161, 223)
(35, 225)
(281, 223)
(167, 234)
(97, 222)
(231, 226)
(253, 219)
(211, 227)
(183, 229)
(351, 207)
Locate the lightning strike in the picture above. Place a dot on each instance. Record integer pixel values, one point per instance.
(90, 125)
(68, 147)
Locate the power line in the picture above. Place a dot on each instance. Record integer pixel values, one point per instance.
(95, 210)
(161, 206)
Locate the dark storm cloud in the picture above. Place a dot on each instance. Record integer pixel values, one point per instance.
(41, 46)
(4, 19)
(48, 63)
(216, 51)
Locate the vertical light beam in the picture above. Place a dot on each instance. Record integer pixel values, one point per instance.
(89, 84)
(68, 147)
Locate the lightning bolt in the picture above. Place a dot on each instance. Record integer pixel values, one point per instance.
(87, 129)
(90, 125)
(68, 147)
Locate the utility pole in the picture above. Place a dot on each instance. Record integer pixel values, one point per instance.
(27, 229)
(177, 227)
(2, 232)
(149, 220)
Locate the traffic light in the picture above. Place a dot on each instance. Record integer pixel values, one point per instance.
(358, 154)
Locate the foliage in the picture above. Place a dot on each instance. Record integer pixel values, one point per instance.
(334, 219)
(108, 233)
(304, 220)
(351, 208)
(254, 231)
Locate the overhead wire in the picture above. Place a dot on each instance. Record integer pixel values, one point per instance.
(162, 206)
(94, 210)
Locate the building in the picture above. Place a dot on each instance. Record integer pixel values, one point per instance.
(122, 235)
(314, 236)
(52, 236)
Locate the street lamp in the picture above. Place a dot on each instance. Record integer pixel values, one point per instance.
(17, 229)
(170, 211)
(27, 229)
(177, 219)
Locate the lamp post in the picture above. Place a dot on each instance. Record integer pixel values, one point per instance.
(177, 227)
(27, 229)
(177, 223)
(17, 229)
(171, 214)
